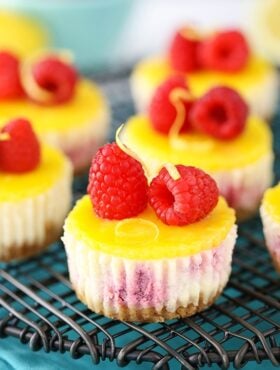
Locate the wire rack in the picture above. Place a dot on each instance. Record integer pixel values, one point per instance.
(38, 306)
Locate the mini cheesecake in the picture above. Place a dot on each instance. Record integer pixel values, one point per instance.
(139, 269)
(270, 214)
(67, 110)
(258, 83)
(77, 127)
(140, 251)
(242, 167)
(33, 205)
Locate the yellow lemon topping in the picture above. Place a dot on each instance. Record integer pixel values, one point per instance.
(86, 106)
(16, 187)
(271, 202)
(155, 70)
(145, 237)
(20, 34)
(196, 149)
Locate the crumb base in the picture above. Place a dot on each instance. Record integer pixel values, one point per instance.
(21, 252)
(150, 314)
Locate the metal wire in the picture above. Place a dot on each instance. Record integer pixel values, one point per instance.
(38, 306)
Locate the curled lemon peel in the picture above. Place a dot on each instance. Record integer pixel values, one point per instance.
(177, 97)
(29, 83)
(184, 141)
(4, 136)
(136, 231)
(128, 151)
(172, 170)
(190, 33)
(31, 87)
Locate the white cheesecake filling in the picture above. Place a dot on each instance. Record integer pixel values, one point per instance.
(271, 229)
(244, 187)
(81, 142)
(26, 222)
(108, 284)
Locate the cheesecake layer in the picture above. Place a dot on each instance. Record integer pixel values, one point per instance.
(258, 83)
(271, 203)
(197, 149)
(86, 106)
(148, 290)
(77, 127)
(243, 187)
(243, 167)
(19, 187)
(30, 220)
(146, 235)
(271, 229)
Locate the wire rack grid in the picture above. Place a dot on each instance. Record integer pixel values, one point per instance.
(38, 306)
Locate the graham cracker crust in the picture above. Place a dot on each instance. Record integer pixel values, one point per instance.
(13, 252)
(150, 314)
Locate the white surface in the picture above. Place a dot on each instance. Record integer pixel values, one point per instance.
(152, 22)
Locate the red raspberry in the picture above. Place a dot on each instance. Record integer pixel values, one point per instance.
(186, 200)
(183, 55)
(117, 184)
(227, 51)
(20, 151)
(221, 113)
(56, 77)
(10, 85)
(162, 111)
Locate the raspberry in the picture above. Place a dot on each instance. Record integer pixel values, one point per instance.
(186, 200)
(183, 55)
(226, 51)
(20, 151)
(221, 113)
(117, 186)
(55, 77)
(10, 85)
(162, 111)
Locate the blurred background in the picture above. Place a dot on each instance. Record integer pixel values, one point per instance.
(118, 32)
(109, 35)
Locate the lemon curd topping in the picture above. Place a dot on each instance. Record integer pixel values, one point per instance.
(145, 237)
(86, 105)
(15, 187)
(20, 34)
(197, 149)
(271, 202)
(155, 70)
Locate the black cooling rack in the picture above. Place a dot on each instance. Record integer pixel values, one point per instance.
(38, 306)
